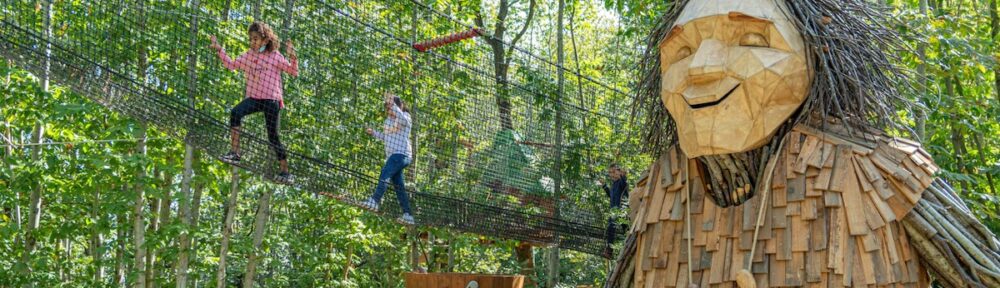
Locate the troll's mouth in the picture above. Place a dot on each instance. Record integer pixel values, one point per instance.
(713, 103)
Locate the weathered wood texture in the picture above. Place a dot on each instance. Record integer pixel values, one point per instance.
(460, 280)
(833, 219)
(745, 52)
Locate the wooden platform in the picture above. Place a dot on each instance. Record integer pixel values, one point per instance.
(460, 280)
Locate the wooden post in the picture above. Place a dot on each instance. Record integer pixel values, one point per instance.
(220, 274)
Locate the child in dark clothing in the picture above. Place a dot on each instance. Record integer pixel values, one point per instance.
(617, 191)
(619, 186)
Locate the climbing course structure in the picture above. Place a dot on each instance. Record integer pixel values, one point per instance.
(295, 103)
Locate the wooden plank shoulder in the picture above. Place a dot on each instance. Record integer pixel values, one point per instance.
(897, 168)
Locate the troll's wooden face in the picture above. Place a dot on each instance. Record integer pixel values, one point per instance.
(732, 72)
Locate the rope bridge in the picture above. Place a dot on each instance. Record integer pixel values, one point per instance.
(483, 146)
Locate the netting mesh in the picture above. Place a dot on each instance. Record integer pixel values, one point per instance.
(481, 147)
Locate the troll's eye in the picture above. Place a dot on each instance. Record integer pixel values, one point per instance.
(753, 40)
(682, 53)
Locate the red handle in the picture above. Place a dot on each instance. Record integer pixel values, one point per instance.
(441, 41)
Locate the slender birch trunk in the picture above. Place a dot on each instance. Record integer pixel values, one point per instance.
(184, 205)
(96, 238)
(220, 275)
(119, 278)
(161, 216)
(138, 222)
(554, 256)
(38, 135)
(259, 228)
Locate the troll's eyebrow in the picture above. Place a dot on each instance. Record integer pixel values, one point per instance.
(737, 16)
(733, 16)
(673, 32)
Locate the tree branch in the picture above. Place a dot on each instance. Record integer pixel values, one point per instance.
(479, 19)
(500, 27)
(527, 23)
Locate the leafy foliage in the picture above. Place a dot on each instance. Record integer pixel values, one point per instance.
(88, 164)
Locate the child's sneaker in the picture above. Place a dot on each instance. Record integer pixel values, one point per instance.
(285, 178)
(406, 219)
(370, 205)
(231, 158)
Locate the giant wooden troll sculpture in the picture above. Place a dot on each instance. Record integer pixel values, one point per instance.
(773, 168)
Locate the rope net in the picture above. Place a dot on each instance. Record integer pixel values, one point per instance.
(480, 146)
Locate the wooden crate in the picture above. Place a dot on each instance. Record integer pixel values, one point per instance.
(460, 280)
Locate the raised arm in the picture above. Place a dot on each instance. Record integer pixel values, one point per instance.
(240, 62)
(377, 134)
(291, 65)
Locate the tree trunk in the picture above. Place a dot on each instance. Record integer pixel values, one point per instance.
(138, 220)
(994, 31)
(161, 215)
(415, 107)
(920, 114)
(557, 166)
(255, 5)
(501, 58)
(414, 255)
(184, 213)
(227, 229)
(286, 22)
(977, 139)
(35, 200)
(503, 89)
(8, 153)
(501, 63)
(196, 208)
(96, 239)
(958, 135)
(225, 11)
(153, 226)
(119, 279)
(63, 255)
(576, 59)
(138, 225)
(184, 205)
(958, 143)
(259, 227)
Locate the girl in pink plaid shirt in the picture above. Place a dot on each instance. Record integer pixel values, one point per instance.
(262, 66)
